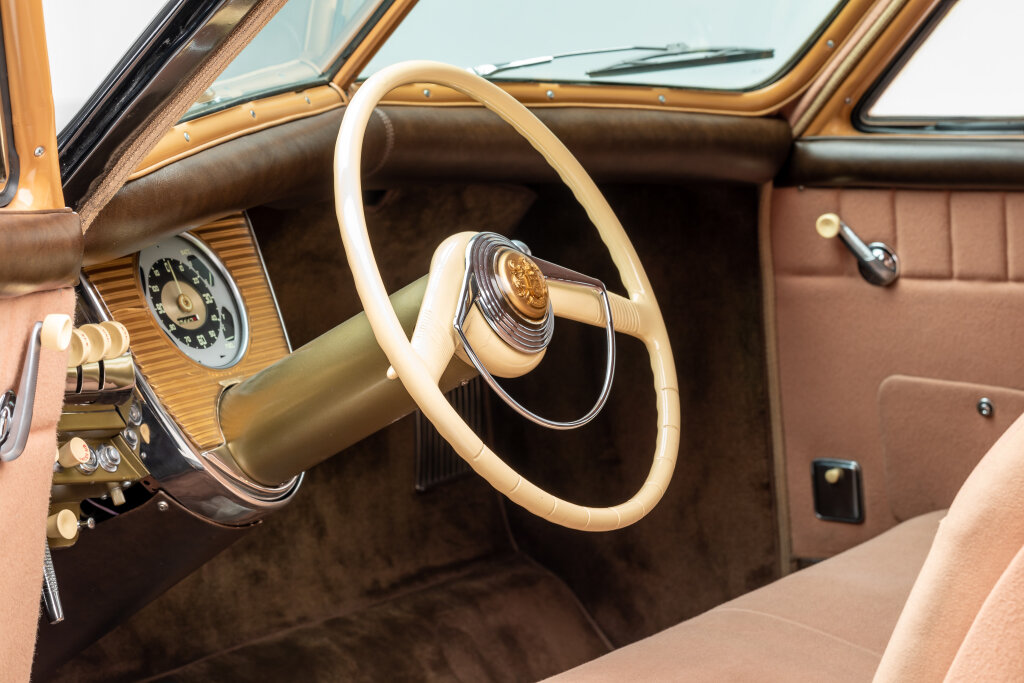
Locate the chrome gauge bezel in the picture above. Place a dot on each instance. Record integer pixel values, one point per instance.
(213, 261)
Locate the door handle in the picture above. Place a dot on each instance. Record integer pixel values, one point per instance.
(877, 262)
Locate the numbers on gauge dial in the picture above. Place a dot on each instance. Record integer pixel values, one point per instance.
(182, 301)
(193, 300)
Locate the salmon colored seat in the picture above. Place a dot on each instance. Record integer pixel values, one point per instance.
(939, 597)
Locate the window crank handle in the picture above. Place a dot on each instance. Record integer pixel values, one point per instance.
(877, 262)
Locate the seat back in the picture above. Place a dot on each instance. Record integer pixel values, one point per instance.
(966, 609)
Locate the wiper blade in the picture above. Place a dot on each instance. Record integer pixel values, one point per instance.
(681, 56)
(491, 69)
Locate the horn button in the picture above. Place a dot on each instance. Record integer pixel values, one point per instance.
(522, 283)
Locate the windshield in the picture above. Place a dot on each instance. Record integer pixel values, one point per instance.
(297, 47)
(738, 44)
(87, 38)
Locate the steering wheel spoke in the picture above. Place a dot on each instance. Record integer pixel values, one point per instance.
(584, 305)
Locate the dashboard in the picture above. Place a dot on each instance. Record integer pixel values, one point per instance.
(201, 314)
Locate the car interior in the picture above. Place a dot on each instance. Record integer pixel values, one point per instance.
(333, 324)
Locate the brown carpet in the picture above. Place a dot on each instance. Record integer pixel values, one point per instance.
(504, 620)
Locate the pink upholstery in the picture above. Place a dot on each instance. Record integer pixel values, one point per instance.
(974, 547)
(992, 650)
(25, 483)
(829, 622)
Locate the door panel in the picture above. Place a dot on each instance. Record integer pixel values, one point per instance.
(953, 315)
(42, 249)
(923, 417)
(25, 482)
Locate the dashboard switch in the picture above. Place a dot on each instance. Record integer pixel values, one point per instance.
(109, 457)
(119, 339)
(80, 349)
(73, 453)
(116, 494)
(99, 341)
(63, 525)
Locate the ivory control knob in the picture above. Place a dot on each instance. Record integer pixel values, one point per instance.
(56, 332)
(116, 494)
(75, 452)
(63, 525)
(99, 340)
(119, 339)
(828, 225)
(81, 348)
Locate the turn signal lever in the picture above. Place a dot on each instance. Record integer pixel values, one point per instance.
(877, 263)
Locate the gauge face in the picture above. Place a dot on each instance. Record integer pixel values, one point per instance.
(193, 299)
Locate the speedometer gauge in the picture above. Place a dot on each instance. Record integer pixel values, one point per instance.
(194, 300)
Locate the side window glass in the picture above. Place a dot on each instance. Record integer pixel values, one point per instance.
(963, 73)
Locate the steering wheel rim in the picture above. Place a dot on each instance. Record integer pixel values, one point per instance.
(640, 314)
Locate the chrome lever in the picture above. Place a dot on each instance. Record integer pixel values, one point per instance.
(54, 333)
(877, 262)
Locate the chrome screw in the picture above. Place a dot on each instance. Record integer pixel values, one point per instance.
(135, 414)
(252, 113)
(550, 94)
(830, 43)
(39, 151)
(162, 506)
(426, 92)
(188, 138)
(661, 98)
(985, 408)
(87, 523)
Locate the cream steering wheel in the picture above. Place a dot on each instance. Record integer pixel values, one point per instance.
(419, 362)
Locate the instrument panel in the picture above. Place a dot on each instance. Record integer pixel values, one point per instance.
(194, 300)
(225, 279)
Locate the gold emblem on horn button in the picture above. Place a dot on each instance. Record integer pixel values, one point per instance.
(523, 284)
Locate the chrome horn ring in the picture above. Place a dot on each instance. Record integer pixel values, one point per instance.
(479, 286)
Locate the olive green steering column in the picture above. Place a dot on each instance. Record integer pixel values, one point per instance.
(324, 397)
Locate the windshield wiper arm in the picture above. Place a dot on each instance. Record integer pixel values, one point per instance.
(681, 56)
(491, 69)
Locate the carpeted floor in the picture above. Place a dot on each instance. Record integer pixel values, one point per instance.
(501, 620)
(362, 578)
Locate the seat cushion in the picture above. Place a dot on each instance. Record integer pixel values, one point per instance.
(830, 621)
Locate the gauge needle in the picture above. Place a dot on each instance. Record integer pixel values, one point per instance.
(176, 283)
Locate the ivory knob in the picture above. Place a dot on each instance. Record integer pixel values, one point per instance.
(56, 332)
(81, 348)
(99, 340)
(73, 453)
(119, 338)
(63, 525)
(828, 225)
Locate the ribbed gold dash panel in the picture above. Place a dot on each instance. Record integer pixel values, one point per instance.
(187, 390)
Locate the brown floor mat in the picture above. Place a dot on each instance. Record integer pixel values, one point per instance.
(505, 620)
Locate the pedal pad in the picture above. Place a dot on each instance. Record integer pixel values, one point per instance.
(436, 461)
